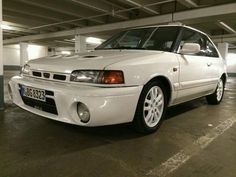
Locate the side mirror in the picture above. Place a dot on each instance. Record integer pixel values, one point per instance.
(190, 48)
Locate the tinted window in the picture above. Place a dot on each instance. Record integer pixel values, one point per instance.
(210, 49)
(132, 39)
(163, 39)
(190, 36)
(154, 38)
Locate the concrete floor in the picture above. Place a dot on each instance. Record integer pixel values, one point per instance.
(196, 140)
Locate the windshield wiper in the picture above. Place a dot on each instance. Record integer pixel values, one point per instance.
(137, 48)
(120, 48)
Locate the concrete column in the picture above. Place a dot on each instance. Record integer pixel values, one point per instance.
(23, 53)
(1, 63)
(223, 49)
(80, 44)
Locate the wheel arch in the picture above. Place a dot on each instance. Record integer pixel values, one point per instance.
(166, 82)
(224, 77)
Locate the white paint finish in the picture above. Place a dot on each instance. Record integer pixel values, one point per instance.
(149, 64)
(197, 76)
(193, 78)
(190, 48)
(153, 106)
(105, 104)
(80, 44)
(1, 42)
(101, 59)
(160, 19)
(24, 57)
(179, 159)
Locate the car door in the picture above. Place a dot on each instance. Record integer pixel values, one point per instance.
(193, 68)
(214, 63)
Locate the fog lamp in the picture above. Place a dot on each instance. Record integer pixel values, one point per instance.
(83, 112)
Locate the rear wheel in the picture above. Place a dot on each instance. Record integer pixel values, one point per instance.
(217, 96)
(151, 107)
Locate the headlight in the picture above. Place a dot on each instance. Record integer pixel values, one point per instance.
(85, 76)
(98, 76)
(25, 69)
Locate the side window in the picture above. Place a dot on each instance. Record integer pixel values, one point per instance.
(190, 36)
(210, 49)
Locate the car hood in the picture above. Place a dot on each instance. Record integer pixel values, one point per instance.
(96, 60)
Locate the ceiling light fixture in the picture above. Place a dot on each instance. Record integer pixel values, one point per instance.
(6, 27)
(226, 27)
(66, 52)
(192, 3)
(93, 40)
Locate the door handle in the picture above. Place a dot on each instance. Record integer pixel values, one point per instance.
(209, 64)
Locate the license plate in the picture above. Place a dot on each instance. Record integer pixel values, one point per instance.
(34, 93)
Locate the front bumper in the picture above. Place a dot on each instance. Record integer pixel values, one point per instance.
(106, 105)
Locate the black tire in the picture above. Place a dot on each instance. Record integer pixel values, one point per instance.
(139, 123)
(213, 99)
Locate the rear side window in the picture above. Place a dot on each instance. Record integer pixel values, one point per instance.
(190, 36)
(210, 49)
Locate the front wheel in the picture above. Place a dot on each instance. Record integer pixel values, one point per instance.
(217, 96)
(151, 107)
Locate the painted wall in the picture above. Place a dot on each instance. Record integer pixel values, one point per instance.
(11, 53)
(231, 63)
(36, 51)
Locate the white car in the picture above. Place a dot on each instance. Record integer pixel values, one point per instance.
(132, 77)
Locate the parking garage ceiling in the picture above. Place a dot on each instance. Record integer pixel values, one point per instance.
(34, 17)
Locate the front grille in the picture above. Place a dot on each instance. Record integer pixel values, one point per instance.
(37, 74)
(59, 77)
(50, 93)
(46, 75)
(48, 106)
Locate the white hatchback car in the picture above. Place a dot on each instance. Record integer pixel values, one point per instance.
(132, 77)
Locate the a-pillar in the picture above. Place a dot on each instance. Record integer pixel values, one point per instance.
(1, 62)
(80, 44)
(23, 53)
(223, 49)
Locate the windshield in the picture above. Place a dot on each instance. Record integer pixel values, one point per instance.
(153, 38)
